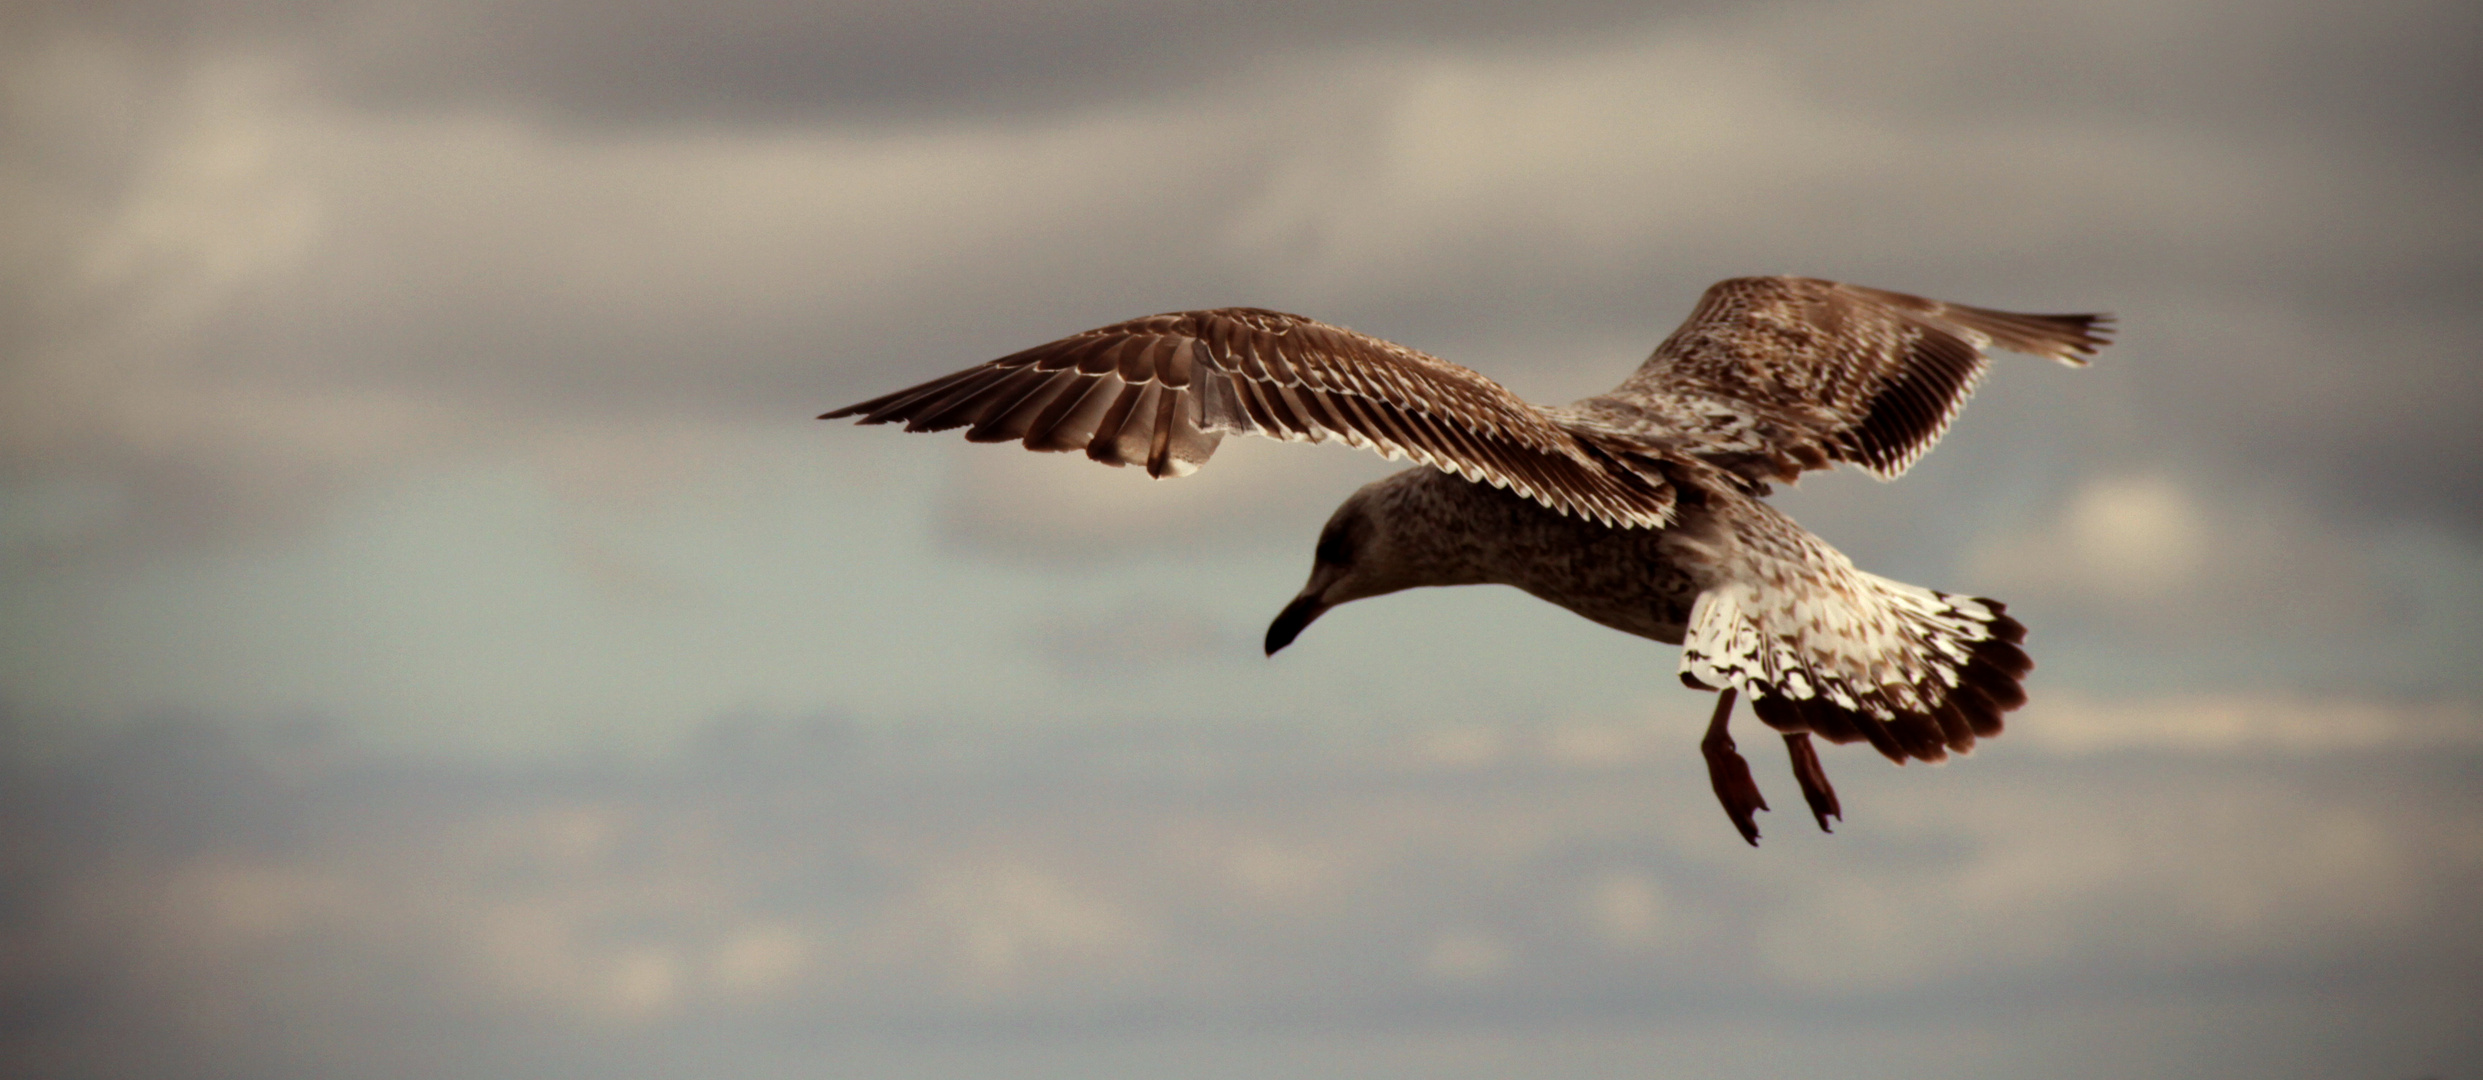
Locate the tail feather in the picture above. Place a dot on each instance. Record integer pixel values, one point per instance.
(1820, 646)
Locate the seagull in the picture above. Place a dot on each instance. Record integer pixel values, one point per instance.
(1640, 508)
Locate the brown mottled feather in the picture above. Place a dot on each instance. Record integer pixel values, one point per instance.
(1773, 376)
(1191, 377)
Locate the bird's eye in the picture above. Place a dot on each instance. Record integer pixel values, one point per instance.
(1333, 548)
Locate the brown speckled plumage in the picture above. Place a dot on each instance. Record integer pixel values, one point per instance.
(1638, 508)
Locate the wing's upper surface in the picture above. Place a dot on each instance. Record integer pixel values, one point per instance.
(1774, 375)
(1162, 390)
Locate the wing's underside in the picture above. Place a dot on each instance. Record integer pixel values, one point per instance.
(1773, 376)
(1767, 378)
(1163, 390)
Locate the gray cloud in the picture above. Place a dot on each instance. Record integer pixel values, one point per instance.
(186, 902)
(771, 62)
(1061, 510)
(1137, 634)
(283, 289)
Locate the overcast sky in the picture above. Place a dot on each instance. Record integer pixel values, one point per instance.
(435, 638)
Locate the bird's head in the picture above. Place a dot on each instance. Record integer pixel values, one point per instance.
(1363, 552)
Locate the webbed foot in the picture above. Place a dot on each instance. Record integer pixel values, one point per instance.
(1730, 774)
(1815, 789)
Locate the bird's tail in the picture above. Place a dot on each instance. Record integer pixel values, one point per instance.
(1823, 647)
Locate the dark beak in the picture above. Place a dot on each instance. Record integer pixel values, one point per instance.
(1291, 620)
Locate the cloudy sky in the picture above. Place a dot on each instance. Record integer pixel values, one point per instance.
(436, 640)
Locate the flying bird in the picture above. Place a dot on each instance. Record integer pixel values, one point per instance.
(1639, 508)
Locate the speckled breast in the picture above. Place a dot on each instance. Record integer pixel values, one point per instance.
(1637, 581)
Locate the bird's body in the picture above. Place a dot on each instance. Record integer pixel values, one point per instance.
(1640, 509)
(1456, 532)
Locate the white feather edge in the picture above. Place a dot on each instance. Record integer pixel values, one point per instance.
(1820, 643)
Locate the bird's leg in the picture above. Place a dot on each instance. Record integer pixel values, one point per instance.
(1815, 789)
(1731, 775)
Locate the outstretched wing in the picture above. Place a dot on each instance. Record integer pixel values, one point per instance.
(1163, 390)
(1774, 375)
(1821, 646)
